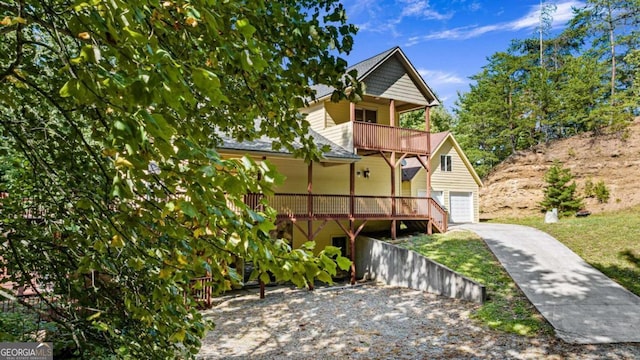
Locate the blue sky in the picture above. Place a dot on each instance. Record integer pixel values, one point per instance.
(447, 40)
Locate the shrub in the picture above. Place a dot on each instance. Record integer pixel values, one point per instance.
(601, 192)
(589, 191)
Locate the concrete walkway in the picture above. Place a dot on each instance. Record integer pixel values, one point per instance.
(582, 304)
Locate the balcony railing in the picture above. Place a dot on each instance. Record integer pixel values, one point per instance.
(362, 207)
(369, 136)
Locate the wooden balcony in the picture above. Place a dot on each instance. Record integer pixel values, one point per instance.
(368, 136)
(339, 207)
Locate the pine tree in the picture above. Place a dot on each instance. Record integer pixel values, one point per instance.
(559, 192)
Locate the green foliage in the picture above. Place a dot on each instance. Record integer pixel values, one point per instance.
(598, 190)
(507, 308)
(542, 89)
(559, 193)
(440, 119)
(114, 111)
(20, 326)
(589, 190)
(601, 192)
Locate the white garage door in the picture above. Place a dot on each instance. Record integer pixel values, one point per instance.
(461, 207)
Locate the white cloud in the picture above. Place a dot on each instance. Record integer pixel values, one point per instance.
(531, 20)
(383, 19)
(562, 14)
(437, 78)
(421, 8)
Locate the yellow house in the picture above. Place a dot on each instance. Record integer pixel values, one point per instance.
(357, 186)
(454, 182)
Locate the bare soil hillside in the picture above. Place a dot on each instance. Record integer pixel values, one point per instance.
(515, 187)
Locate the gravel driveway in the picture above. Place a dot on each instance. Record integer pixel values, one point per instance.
(372, 322)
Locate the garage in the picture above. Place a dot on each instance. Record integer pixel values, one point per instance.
(461, 207)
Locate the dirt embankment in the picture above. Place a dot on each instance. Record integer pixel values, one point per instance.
(515, 187)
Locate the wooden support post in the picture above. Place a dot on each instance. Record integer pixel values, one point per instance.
(310, 198)
(392, 164)
(352, 239)
(352, 243)
(352, 111)
(427, 126)
(352, 232)
(427, 121)
(352, 189)
(392, 112)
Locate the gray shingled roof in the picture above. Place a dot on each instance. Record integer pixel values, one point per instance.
(363, 67)
(263, 145)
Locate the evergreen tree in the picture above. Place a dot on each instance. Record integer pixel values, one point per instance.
(560, 192)
(441, 119)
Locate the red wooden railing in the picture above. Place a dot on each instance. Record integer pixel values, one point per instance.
(438, 215)
(201, 291)
(370, 136)
(335, 207)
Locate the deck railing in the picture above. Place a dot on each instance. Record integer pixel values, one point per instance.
(335, 207)
(370, 136)
(201, 291)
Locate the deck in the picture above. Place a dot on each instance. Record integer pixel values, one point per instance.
(357, 207)
(368, 136)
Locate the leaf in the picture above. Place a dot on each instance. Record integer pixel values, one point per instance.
(68, 88)
(343, 263)
(165, 273)
(116, 241)
(122, 162)
(324, 277)
(245, 28)
(178, 336)
(188, 208)
(137, 38)
(265, 278)
(94, 316)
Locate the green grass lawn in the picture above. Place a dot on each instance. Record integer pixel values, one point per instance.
(609, 241)
(507, 308)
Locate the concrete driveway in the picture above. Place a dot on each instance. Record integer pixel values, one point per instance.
(582, 304)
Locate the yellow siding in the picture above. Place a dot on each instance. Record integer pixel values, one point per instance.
(406, 189)
(334, 179)
(338, 113)
(340, 134)
(315, 116)
(458, 180)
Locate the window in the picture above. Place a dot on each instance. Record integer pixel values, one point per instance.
(445, 162)
(367, 115)
(340, 242)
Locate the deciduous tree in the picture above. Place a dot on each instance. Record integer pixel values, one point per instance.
(114, 110)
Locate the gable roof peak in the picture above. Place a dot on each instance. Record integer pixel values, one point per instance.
(369, 65)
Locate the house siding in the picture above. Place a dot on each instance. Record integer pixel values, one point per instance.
(340, 134)
(391, 81)
(334, 179)
(339, 113)
(458, 180)
(336, 113)
(315, 116)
